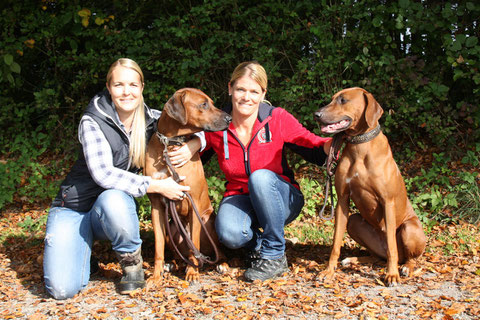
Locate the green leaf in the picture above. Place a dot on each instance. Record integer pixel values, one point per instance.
(456, 46)
(73, 45)
(8, 58)
(403, 3)
(461, 38)
(471, 41)
(15, 67)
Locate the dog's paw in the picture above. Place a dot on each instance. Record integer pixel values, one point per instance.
(169, 267)
(391, 280)
(222, 268)
(192, 275)
(327, 274)
(348, 262)
(153, 282)
(405, 271)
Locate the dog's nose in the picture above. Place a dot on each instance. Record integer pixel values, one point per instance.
(318, 115)
(228, 118)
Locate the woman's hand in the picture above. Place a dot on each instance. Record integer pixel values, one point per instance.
(168, 188)
(179, 156)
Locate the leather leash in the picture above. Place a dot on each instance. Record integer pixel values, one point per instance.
(333, 156)
(171, 212)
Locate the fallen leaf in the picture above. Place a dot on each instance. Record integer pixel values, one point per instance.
(454, 309)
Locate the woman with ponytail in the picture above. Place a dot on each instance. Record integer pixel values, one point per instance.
(97, 198)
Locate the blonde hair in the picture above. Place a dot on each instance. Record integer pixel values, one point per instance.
(137, 138)
(252, 69)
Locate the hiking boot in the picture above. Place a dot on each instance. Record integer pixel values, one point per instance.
(264, 269)
(133, 276)
(251, 258)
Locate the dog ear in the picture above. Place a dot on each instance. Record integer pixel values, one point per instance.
(175, 108)
(373, 110)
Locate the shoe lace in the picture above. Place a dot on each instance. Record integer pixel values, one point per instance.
(129, 259)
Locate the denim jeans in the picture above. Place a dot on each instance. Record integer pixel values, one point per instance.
(271, 204)
(70, 235)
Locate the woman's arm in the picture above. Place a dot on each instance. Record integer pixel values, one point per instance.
(168, 188)
(181, 155)
(98, 155)
(311, 147)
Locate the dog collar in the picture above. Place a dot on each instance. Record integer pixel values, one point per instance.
(173, 141)
(365, 137)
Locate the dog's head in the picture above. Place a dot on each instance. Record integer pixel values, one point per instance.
(194, 109)
(354, 110)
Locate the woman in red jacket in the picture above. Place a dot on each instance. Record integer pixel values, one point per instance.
(261, 194)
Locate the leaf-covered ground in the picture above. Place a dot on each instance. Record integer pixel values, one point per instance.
(446, 284)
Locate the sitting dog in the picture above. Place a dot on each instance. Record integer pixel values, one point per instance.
(188, 111)
(367, 173)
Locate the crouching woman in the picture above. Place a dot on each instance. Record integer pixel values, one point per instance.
(96, 199)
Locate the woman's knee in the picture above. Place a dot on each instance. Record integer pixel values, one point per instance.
(111, 201)
(261, 178)
(61, 289)
(116, 210)
(230, 235)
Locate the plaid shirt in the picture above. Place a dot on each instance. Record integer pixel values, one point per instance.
(98, 155)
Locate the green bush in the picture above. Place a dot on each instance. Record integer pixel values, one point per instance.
(419, 59)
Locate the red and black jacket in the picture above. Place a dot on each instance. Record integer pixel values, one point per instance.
(274, 130)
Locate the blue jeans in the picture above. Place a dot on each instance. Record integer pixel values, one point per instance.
(271, 204)
(70, 235)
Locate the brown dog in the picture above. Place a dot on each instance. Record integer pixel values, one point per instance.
(367, 173)
(188, 111)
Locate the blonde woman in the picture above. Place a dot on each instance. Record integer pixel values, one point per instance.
(261, 194)
(96, 199)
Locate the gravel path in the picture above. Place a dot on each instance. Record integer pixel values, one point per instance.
(444, 288)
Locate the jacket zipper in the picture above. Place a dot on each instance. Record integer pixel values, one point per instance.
(246, 160)
(245, 153)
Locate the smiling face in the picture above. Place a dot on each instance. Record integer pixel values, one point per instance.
(125, 87)
(246, 96)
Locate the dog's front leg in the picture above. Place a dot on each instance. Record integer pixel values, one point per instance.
(158, 212)
(192, 273)
(392, 277)
(341, 218)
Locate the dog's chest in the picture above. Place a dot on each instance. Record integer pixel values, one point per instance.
(352, 178)
(351, 172)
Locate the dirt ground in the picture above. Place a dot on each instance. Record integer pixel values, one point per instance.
(445, 286)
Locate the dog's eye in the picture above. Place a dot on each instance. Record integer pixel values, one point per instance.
(203, 106)
(342, 100)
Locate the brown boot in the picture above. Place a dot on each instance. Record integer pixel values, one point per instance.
(133, 276)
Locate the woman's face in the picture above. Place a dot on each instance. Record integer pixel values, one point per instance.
(125, 88)
(246, 95)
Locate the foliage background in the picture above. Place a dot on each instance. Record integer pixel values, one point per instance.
(419, 58)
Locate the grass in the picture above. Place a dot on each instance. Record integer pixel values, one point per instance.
(312, 230)
(456, 239)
